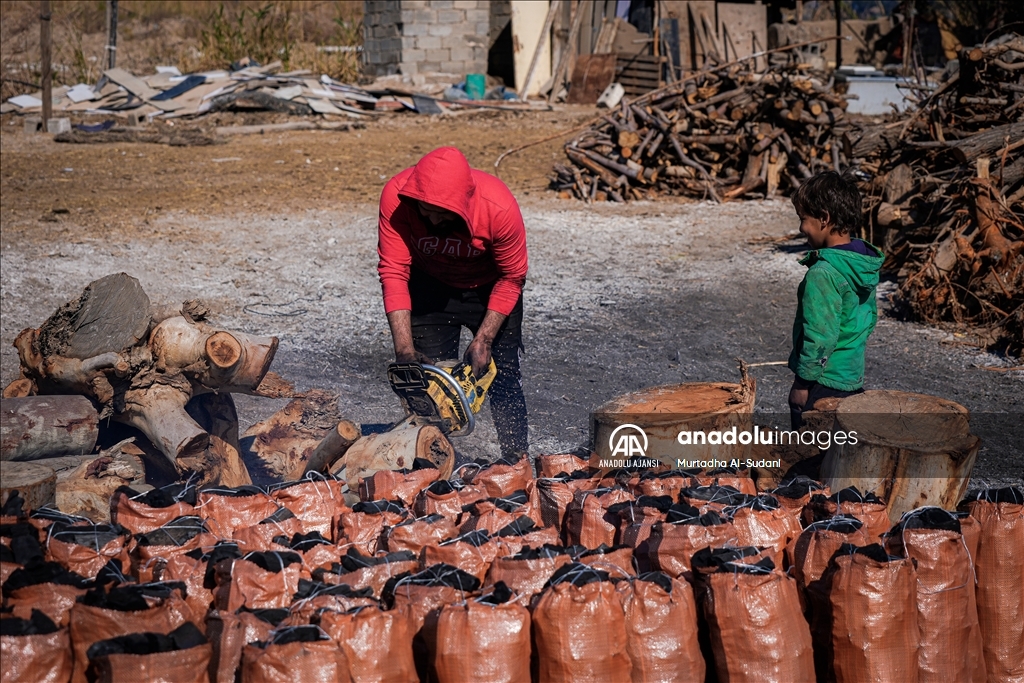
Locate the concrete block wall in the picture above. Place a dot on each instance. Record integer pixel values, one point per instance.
(419, 36)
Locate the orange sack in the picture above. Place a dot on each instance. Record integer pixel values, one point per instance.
(141, 608)
(1000, 569)
(230, 633)
(86, 548)
(316, 501)
(259, 580)
(579, 631)
(181, 656)
(661, 630)
(35, 650)
(377, 644)
(483, 639)
(143, 512)
(757, 631)
(587, 519)
(874, 616)
(501, 478)
(528, 571)
(553, 465)
(400, 485)
(947, 616)
(300, 654)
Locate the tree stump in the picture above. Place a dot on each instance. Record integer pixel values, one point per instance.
(911, 450)
(36, 427)
(36, 483)
(663, 412)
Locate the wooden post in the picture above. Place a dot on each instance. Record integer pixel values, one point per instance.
(839, 33)
(111, 33)
(566, 57)
(544, 34)
(44, 61)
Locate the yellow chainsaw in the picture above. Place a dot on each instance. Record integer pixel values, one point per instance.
(446, 395)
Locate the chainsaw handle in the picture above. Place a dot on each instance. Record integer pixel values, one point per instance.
(450, 381)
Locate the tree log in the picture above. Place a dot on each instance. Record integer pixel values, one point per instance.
(85, 485)
(333, 447)
(221, 464)
(986, 142)
(97, 346)
(46, 426)
(35, 483)
(911, 450)
(279, 448)
(394, 450)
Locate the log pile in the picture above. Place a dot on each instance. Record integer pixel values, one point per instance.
(945, 201)
(721, 134)
(167, 373)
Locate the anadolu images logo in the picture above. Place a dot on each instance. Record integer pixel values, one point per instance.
(628, 443)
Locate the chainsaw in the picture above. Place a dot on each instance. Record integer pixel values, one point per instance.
(446, 395)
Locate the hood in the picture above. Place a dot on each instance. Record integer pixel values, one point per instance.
(442, 178)
(860, 270)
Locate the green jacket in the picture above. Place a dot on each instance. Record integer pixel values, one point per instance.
(835, 313)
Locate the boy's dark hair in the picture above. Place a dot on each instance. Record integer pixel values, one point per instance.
(832, 196)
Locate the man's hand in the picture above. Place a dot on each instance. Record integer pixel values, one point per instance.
(412, 356)
(478, 355)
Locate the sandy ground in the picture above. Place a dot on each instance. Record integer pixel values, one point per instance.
(278, 242)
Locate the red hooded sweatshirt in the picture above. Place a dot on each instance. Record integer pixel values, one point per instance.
(491, 251)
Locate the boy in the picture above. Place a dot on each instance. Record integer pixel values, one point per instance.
(836, 309)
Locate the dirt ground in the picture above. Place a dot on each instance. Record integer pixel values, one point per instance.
(277, 233)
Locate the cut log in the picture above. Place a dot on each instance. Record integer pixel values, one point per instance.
(158, 411)
(663, 412)
(20, 388)
(333, 447)
(221, 464)
(986, 142)
(911, 450)
(35, 483)
(85, 485)
(278, 448)
(46, 426)
(112, 314)
(395, 450)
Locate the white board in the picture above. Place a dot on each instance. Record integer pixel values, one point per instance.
(527, 22)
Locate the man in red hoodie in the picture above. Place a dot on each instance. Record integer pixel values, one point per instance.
(452, 249)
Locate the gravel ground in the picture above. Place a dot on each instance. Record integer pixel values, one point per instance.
(618, 298)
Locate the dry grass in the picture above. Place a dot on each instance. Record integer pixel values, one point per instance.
(191, 34)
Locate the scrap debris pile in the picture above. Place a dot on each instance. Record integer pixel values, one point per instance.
(722, 134)
(168, 95)
(651, 576)
(947, 197)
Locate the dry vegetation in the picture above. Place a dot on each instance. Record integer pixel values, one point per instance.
(194, 35)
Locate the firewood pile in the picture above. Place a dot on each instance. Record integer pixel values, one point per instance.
(721, 134)
(945, 201)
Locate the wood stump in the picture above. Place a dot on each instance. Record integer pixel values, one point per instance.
(279, 448)
(36, 427)
(35, 483)
(911, 450)
(663, 412)
(395, 450)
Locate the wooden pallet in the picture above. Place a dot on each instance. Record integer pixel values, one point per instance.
(639, 74)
